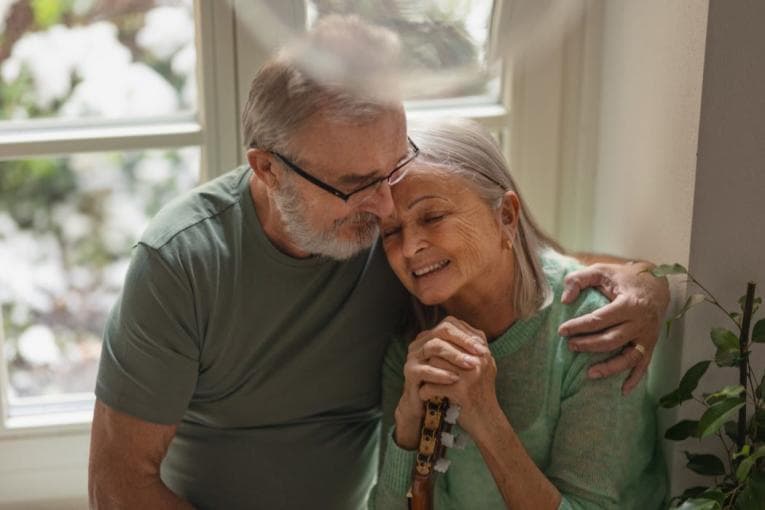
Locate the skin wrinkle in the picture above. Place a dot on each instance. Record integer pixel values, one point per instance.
(287, 205)
(470, 235)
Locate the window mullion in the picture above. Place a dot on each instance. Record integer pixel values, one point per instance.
(48, 142)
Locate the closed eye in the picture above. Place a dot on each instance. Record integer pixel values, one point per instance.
(433, 218)
(388, 232)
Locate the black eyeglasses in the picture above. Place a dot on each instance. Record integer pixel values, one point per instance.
(366, 191)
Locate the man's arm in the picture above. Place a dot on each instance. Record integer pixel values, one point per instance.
(632, 320)
(125, 455)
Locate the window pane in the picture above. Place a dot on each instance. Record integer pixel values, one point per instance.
(444, 42)
(66, 229)
(96, 59)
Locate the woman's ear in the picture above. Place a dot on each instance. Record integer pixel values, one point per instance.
(511, 211)
(261, 163)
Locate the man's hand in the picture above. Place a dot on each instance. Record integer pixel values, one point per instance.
(632, 320)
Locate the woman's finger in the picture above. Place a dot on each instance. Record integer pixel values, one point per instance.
(426, 373)
(438, 348)
(460, 334)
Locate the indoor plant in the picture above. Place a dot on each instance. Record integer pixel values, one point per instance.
(735, 413)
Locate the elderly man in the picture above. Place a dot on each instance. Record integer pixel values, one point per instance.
(241, 365)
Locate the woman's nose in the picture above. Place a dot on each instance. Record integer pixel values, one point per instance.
(412, 242)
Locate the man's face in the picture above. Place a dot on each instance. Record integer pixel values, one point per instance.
(346, 157)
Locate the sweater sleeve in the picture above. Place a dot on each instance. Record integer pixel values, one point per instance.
(604, 442)
(396, 464)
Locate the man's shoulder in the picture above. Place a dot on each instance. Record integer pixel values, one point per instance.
(205, 203)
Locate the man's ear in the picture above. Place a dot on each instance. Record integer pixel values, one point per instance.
(262, 163)
(510, 211)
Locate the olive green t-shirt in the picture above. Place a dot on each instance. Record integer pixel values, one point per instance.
(269, 365)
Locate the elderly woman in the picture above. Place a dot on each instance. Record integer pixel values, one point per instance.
(540, 434)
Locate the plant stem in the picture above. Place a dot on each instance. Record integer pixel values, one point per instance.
(725, 445)
(743, 369)
(713, 299)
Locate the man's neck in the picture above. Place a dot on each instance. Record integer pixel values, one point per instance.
(271, 220)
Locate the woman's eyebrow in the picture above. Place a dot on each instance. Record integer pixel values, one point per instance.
(421, 198)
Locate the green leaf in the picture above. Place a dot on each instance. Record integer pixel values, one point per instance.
(667, 269)
(691, 379)
(725, 358)
(682, 430)
(700, 504)
(673, 399)
(725, 393)
(756, 302)
(731, 430)
(758, 421)
(724, 339)
(744, 452)
(705, 464)
(742, 472)
(714, 417)
(693, 300)
(758, 333)
(753, 495)
(714, 494)
(692, 492)
(728, 351)
(688, 384)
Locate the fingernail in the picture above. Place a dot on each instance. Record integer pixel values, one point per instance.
(471, 361)
(572, 347)
(478, 346)
(454, 377)
(563, 331)
(594, 375)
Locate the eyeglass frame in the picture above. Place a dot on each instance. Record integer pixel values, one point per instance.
(336, 192)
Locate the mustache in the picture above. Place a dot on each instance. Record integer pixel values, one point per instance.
(358, 219)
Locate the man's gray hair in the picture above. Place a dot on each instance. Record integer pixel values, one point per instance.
(465, 149)
(343, 68)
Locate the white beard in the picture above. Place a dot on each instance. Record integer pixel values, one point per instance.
(292, 208)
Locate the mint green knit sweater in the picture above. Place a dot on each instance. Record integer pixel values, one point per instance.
(596, 446)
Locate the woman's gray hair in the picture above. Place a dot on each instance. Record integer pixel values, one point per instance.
(343, 68)
(465, 149)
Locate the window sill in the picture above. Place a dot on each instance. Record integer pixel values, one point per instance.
(48, 416)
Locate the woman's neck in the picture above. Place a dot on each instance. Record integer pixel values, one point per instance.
(487, 303)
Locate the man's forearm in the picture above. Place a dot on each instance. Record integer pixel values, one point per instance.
(121, 494)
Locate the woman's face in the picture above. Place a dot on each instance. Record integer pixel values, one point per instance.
(441, 240)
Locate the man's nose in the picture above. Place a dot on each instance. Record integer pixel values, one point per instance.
(381, 202)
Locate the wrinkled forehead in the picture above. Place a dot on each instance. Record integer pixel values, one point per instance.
(425, 183)
(381, 136)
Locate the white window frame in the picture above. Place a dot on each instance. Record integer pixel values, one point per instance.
(44, 455)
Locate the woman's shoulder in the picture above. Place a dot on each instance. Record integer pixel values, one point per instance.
(556, 266)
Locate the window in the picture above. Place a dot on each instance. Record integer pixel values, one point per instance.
(100, 124)
(444, 45)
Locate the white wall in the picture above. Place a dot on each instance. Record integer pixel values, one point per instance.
(653, 197)
(653, 55)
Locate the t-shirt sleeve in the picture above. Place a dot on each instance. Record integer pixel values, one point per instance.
(604, 443)
(150, 355)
